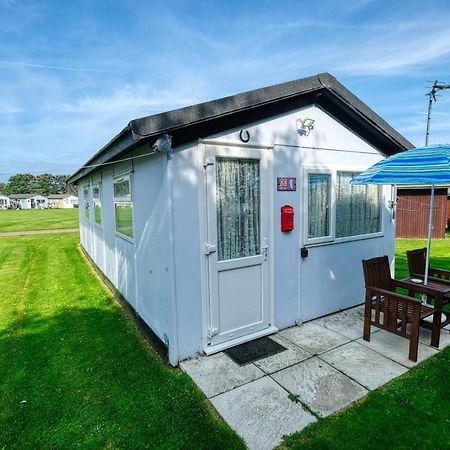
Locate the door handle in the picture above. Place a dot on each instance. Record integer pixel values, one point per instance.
(209, 248)
(265, 251)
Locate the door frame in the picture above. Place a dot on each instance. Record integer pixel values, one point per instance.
(203, 222)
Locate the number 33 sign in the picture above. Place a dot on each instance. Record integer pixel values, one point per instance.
(286, 184)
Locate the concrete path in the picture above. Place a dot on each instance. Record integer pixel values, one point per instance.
(26, 233)
(327, 366)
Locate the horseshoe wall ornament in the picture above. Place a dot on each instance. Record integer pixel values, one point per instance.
(244, 135)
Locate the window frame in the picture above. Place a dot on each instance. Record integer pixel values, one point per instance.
(118, 178)
(331, 218)
(87, 203)
(97, 185)
(332, 239)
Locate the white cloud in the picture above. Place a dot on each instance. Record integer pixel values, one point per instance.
(396, 52)
(129, 100)
(50, 67)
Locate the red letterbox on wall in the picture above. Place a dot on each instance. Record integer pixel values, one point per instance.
(287, 218)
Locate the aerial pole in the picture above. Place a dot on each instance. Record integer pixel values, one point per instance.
(437, 86)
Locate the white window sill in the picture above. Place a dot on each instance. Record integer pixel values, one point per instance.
(344, 240)
(125, 237)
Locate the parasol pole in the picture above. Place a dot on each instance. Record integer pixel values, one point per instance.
(430, 231)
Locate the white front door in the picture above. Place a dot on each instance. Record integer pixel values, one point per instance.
(238, 220)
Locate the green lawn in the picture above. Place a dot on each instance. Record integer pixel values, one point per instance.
(440, 253)
(412, 411)
(38, 219)
(75, 373)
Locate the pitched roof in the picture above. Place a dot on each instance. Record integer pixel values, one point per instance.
(59, 196)
(204, 119)
(21, 196)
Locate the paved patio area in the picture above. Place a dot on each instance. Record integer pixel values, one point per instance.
(327, 366)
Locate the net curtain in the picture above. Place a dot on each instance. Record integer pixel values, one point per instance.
(238, 208)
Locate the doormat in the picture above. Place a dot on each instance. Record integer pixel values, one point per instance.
(254, 350)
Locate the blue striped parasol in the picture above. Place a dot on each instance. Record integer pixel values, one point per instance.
(422, 165)
(428, 166)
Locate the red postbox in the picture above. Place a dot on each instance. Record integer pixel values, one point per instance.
(287, 218)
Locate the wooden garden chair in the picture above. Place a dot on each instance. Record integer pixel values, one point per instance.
(416, 266)
(394, 312)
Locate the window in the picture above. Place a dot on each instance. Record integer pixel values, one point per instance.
(96, 196)
(358, 210)
(87, 214)
(238, 208)
(337, 210)
(319, 211)
(123, 206)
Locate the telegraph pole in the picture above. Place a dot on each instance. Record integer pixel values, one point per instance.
(437, 86)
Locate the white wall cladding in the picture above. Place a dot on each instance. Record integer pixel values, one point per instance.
(138, 268)
(85, 228)
(188, 174)
(108, 226)
(152, 243)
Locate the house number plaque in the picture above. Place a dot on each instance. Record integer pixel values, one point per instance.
(286, 184)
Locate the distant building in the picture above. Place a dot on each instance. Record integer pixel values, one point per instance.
(62, 201)
(4, 202)
(28, 201)
(413, 211)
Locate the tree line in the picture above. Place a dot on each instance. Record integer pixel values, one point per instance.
(44, 184)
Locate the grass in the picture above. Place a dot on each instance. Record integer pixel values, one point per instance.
(439, 255)
(75, 373)
(412, 411)
(38, 219)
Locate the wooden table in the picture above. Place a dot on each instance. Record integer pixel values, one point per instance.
(441, 291)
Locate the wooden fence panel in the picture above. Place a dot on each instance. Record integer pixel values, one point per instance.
(413, 209)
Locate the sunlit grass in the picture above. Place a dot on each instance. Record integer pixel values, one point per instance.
(75, 373)
(38, 219)
(439, 255)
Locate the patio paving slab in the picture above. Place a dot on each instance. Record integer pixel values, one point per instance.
(313, 338)
(368, 368)
(293, 355)
(218, 373)
(321, 387)
(425, 338)
(261, 413)
(348, 323)
(396, 348)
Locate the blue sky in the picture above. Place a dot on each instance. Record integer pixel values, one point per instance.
(74, 73)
